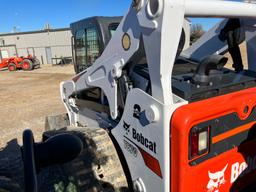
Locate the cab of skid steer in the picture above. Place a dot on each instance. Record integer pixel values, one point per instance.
(89, 38)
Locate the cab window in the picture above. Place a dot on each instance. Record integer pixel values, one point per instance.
(112, 28)
(80, 47)
(87, 47)
(92, 42)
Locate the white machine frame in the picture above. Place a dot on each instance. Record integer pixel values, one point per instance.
(155, 25)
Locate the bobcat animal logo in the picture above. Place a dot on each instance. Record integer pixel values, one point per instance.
(216, 180)
(126, 127)
(136, 111)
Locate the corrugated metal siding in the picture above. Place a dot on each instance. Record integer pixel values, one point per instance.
(59, 41)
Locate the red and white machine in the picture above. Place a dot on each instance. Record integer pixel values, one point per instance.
(182, 121)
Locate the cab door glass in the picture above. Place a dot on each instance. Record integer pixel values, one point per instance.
(80, 48)
(92, 46)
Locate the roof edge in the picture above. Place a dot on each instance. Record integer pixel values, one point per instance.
(36, 31)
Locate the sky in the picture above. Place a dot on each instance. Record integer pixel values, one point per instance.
(29, 15)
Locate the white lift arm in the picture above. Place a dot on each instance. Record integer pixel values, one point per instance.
(219, 8)
(157, 24)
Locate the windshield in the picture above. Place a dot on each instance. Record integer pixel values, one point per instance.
(112, 28)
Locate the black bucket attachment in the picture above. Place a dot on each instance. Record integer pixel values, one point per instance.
(58, 149)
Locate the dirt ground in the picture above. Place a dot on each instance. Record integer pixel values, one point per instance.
(243, 50)
(26, 98)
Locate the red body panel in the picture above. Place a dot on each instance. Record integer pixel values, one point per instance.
(4, 63)
(185, 177)
(16, 60)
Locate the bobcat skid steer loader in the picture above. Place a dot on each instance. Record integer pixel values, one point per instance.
(161, 120)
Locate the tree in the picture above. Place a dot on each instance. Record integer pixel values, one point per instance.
(196, 32)
(249, 1)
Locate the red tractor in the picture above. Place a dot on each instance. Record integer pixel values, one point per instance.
(4, 63)
(25, 63)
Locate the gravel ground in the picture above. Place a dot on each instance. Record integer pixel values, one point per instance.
(28, 97)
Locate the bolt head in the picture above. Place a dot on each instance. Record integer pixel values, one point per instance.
(152, 114)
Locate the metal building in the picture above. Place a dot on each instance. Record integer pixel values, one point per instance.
(49, 46)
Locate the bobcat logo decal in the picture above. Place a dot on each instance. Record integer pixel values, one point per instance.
(216, 180)
(126, 127)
